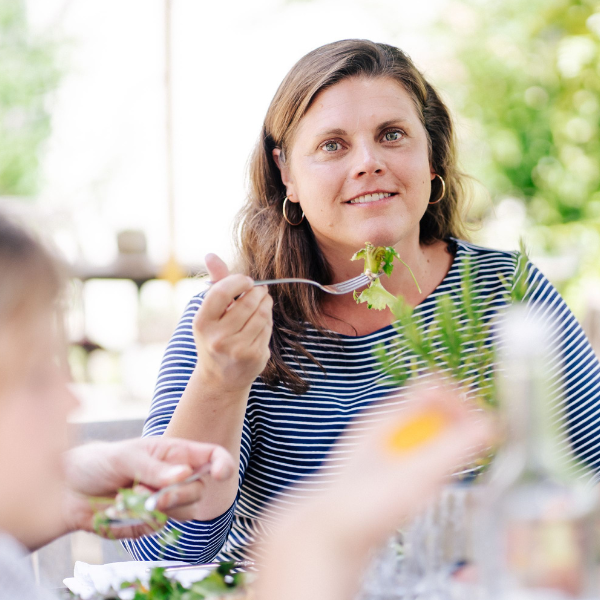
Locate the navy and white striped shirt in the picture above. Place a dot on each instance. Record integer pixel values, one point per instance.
(287, 437)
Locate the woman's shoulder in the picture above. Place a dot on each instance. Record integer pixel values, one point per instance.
(480, 257)
(491, 266)
(482, 253)
(484, 262)
(195, 302)
(190, 310)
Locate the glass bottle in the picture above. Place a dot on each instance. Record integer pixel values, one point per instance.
(537, 526)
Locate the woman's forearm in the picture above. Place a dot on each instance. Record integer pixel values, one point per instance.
(209, 412)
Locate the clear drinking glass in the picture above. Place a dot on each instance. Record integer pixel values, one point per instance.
(418, 562)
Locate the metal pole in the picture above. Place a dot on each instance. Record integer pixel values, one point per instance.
(172, 271)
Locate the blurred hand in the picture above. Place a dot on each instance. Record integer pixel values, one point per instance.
(381, 486)
(321, 548)
(232, 328)
(101, 469)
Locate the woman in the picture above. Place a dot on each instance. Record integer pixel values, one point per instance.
(356, 146)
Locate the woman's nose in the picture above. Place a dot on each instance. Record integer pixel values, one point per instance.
(367, 162)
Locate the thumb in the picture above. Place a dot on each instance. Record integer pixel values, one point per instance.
(217, 269)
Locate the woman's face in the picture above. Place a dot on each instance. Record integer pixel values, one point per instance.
(359, 166)
(34, 404)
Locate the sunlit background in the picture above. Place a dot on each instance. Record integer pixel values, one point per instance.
(118, 116)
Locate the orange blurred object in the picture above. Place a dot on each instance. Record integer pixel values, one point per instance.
(417, 431)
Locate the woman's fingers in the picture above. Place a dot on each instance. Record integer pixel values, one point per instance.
(216, 268)
(261, 346)
(261, 318)
(263, 336)
(220, 296)
(237, 317)
(245, 318)
(222, 465)
(154, 462)
(227, 326)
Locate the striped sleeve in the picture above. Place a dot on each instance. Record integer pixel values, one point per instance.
(197, 541)
(190, 541)
(575, 370)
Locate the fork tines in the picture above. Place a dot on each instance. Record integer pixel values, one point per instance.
(352, 284)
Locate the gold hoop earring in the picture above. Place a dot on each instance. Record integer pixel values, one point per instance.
(285, 214)
(443, 189)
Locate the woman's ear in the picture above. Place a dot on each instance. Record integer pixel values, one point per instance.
(286, 176)
(277, 157)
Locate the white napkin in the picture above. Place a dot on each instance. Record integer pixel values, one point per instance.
(89, 580)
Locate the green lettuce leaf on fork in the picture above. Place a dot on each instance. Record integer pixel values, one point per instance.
(378, 260)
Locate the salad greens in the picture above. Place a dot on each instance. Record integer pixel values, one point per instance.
(128, 504)
(220, 583)
(456, 340)
(378, 261)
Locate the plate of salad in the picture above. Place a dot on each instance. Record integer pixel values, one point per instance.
(221, 582)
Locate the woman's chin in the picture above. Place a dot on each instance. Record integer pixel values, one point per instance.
(381, 232)
(378, 237)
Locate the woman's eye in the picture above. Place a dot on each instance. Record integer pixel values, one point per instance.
(331, 146)
(392, 136)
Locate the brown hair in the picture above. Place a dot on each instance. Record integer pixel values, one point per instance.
(269, 247)
(30, 281)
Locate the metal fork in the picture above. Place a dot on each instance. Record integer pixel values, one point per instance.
(343, 287)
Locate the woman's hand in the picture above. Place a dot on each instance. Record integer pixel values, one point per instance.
(232, 329)
(101, 469)
(404, 462)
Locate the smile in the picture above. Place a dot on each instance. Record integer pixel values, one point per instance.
(370, 198)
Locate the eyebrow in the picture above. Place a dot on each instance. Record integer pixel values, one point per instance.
(338, 131)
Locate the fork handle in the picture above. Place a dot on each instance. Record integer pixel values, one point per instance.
(275, 281)
(286, 280)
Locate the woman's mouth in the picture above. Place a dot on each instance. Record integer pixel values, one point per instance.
(368, 198)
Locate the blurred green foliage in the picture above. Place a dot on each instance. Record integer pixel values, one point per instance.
(530, 89)
(28, 72)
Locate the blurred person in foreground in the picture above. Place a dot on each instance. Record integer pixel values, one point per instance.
(46, 486)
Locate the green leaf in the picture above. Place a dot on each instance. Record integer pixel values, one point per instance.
(376, 296)
(372, 255)
(360, 254)
(388, 260)
(225, 568)
(128, 504)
